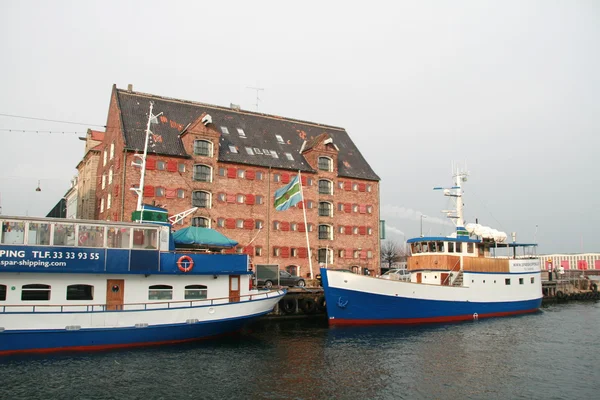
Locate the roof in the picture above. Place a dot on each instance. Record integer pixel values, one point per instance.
(465, 239)
(260, 131)
(97, 135)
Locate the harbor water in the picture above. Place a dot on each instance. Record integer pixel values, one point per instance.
(553, 354)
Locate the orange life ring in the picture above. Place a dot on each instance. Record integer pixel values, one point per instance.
(182, 262)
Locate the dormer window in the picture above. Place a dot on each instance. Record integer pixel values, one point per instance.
(289, 156)
(274, 154)
(279, 139)
(241, 132)
(225, 130)
(249, 151)
(203, 148)
(325, 164)
(233, 149)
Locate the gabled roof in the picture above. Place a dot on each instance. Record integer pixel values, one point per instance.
(260, 131)
(97, 135)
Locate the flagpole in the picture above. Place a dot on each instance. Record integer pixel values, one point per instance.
(305, 225)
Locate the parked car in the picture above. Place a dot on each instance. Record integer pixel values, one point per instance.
(285, 279)
(396, 275)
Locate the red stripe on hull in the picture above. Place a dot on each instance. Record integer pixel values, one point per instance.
(109, 346)
(416, 321)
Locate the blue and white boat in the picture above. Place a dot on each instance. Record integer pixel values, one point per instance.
(77, 285)
(472, 274)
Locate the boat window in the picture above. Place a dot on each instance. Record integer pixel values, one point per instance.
(458, 247)
(80, 292)
(39, 233)
(35, 292)
(432, 247)
(3, 292)
(440, 247)
(507, 281)
(118, 237)
(196, 292)
(144, 239)
(521, 281)
(532, 279)
(90, 236)
(160, 292)
(13, 232)
(450, 247)
(469, 247)
(64, 235)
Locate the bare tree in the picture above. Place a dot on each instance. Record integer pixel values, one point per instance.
(392, 252)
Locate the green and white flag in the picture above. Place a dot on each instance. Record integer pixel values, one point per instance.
(289, 195)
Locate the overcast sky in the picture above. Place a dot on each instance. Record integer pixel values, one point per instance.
(508, 87)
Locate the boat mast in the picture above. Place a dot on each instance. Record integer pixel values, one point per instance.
(455, 192)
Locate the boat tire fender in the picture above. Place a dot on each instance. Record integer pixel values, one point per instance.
(321, 303)
(182, 266)
(594, 287)
(309, 306)
(287, 305)
(560, 295)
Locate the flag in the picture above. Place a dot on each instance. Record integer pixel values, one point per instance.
(288, 195)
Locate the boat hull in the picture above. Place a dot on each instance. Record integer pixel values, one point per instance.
(228, 318)
(358, 300)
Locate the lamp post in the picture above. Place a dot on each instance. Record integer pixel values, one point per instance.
(422, 216)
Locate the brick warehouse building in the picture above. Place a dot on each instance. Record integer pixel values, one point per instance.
(228, 162)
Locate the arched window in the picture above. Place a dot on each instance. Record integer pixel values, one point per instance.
(201, 222)
(196, 292)
(203, 148)
(201, 199)
(325, 209)
(202, 173)
(80, 292)
(325, 232)
(35, 292)
(325, 186)
(325, 164)
(160, 292)
(325, 256)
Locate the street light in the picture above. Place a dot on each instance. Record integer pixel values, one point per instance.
(422, 216)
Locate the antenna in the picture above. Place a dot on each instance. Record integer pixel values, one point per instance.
(257, 98)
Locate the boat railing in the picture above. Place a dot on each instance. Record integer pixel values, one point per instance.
(163, 305)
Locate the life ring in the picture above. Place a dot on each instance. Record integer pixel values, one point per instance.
(287, 305)
(82, 238)
(321, 304)
(181, 263)
(309, 306)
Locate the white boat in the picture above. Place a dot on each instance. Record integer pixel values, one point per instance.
(472, 274)
(79, 285)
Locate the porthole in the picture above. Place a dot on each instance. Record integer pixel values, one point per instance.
(115, 288)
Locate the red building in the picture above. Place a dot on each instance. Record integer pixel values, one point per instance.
(228, 162)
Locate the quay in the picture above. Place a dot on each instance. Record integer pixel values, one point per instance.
(572, 285)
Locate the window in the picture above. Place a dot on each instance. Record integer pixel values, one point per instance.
(180, 193)
(258, 199)
(257, 150)
(370, 209)
(276, 225)
(196, 292)
(225, 130)
(341, 253)
(450, 247)
(276, 251)
(369, 254)
(325, 232)
(279, 139)
(274, 154)
(80, 292)
(355, 208)
(202, 173)
(203, 148)
(161, 165)
(241, 173)
(325, 209)
(370, 232)
(112, 150)
(340, 206)
(240, 198)
(289, 156)
(110, 174)
(201, 222)
(355, 230)
(469, 247)
(241, 132)
(294, 252)
(39, 233)
(293, 227)
(258, 224)
(201, 199)
(2, 292)
(340, 185)
(507, 281)
(325, 164)
(325, 256)
(355, 186)
(258, 175)
(309, 227)
(181, 167)
(239, 223)
(108, 201)
(160, 292)
(532, 279)
(341, 229)
(104, 159)
(233, 149)
(325, 187)
(369, 188)
(158, 192)
(221, 222)
(103, 181)
(249, 151)
(35, 292)
(64, 234)
(258, 251)
(309, 204)
(118, 238)
(144, 238)
(90, 236)
(222, 171)
(521, 281)
(222, 197)
(309, 182)
(276, 177)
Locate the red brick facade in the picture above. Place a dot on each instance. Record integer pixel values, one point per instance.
(241, 197)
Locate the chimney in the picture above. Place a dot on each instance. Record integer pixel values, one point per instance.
(130, 88)
(234, 106)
